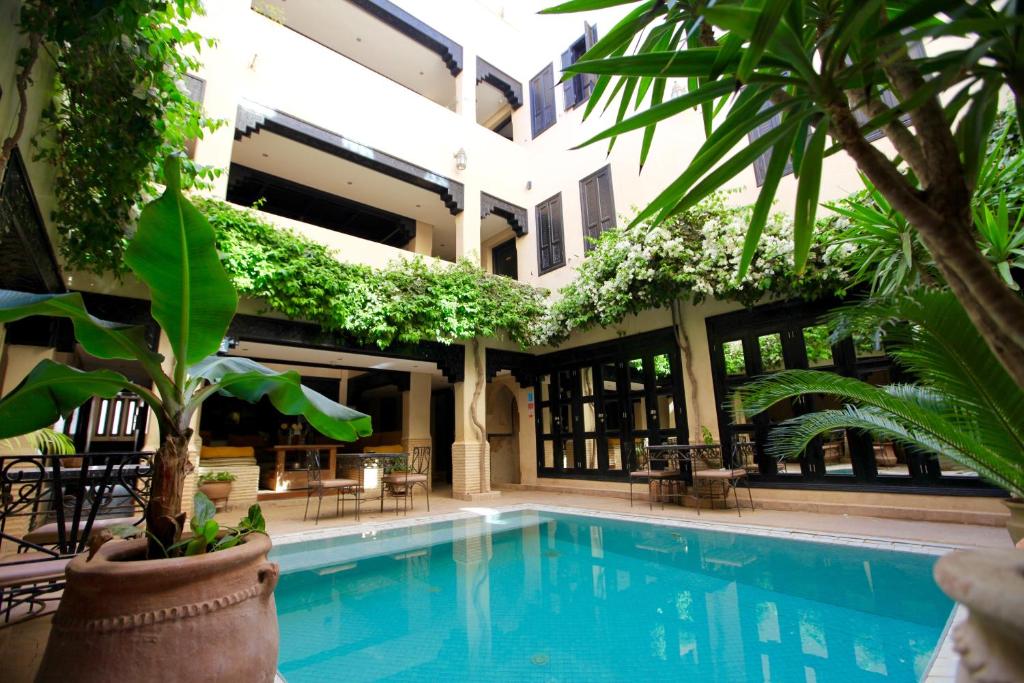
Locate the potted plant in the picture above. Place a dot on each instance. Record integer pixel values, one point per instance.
(217, 487)
(121, 619)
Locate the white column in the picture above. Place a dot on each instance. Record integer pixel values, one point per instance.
(467, 223)
(423, 243)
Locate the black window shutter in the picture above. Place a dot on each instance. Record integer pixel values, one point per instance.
(590, 39)
(569, 84)
(544, 236)
(557, 232)
(605, 199)
(542, 100)
(590, 204)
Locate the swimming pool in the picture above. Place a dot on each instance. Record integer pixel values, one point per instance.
(534, 595)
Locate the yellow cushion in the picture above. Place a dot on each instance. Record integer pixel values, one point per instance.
(389, 448)
(227, 452)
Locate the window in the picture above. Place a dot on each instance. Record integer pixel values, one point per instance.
(550, 236)
(597, 204)
(577, 89)
(504, 260)
(542, 100)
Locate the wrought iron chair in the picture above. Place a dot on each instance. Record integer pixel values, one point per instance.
(318, 485)
(715, 472)
(416, 473)
(59, 501)
(642, 470)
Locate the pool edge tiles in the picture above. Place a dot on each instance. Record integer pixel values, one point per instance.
(856, 540)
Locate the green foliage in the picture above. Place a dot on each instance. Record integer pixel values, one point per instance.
(207, 534)
(173, 238)
(692, 256)
(216, 477)
(965, 405)
(120, 107)
(706, 435)
(407, 301)
(44, 440)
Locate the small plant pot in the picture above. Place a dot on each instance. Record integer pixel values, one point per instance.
(1015, 525)
(181, 620)
(217, 492)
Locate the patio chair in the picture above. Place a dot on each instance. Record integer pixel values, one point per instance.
(715, 473)
(643, 471)
(115, 507)
(417, 473)
(318, 485)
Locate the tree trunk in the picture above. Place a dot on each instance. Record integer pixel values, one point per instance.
(164, 518)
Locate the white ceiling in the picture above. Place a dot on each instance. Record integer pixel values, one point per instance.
(279, 156)
(489, 102)
(363, 38)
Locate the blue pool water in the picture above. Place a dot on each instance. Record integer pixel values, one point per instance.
(537, 596)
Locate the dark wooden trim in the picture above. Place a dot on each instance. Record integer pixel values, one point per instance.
(253, 118)
(515, 215)
(519, 363)
(408, 25)
(449, 359)
(29, 260)
(509, 87)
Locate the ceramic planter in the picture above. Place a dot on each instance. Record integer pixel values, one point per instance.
(990, 584)
(1015, 525)
(183, 620)
(217, 492)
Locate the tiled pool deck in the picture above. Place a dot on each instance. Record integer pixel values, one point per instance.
(20, 646)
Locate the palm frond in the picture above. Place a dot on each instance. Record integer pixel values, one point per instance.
(44, 440)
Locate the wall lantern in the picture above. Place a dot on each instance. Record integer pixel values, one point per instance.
(460, 159)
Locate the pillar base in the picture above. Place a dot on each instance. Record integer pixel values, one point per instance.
(471, 469)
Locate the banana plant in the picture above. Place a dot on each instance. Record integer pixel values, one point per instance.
(193, 300)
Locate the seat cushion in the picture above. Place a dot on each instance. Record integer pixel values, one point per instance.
(654, 474)
(404, 478)
(720, 474)
(19, 570)
(334, 483)
(47, 533)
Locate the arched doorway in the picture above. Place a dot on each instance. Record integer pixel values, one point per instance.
(503, 434)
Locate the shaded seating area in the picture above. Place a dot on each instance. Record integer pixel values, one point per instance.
(317, 485)
(710, 471)
(49, 507)
(402, 479)
(655, 469)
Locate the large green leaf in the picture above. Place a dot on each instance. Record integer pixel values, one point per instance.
(250, 381)
(52, 391)
(100, 338)
(175, 254)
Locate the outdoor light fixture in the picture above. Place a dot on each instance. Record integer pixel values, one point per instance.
(677, 89)
(460, 159)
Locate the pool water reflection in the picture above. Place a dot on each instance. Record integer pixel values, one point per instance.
(549, 597)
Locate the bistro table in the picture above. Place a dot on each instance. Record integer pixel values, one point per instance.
(681, 457)
(367, 461)
(296, 478)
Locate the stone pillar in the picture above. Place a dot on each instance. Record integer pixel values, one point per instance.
(423, 242)
(467, 223)
(416, 415)
(471, 458)
(343, 387)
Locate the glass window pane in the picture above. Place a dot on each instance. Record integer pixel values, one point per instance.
(867, 344)
(662, 370)
(545, 420)
(770, 346)
(587, 377)
(590, 454)
(666, 411)
(545, 388)
(614, 452)
(568, 459)
(636, 374)
(735, 361)
(549, 453)
(819, 348)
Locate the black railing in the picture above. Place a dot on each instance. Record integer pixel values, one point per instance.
(62, 498)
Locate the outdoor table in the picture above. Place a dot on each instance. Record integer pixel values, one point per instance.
(368, 460)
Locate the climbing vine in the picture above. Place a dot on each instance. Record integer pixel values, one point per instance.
(407, 301)
(119, 106)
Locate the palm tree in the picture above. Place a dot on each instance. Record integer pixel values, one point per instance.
(964, 406)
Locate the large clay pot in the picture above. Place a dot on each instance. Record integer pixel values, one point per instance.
(1015, 525)
(990, 583)
(183, 620)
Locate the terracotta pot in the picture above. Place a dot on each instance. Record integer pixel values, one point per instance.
(183, 620)
(990, 584)
(217, 492)
(1015, 525)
